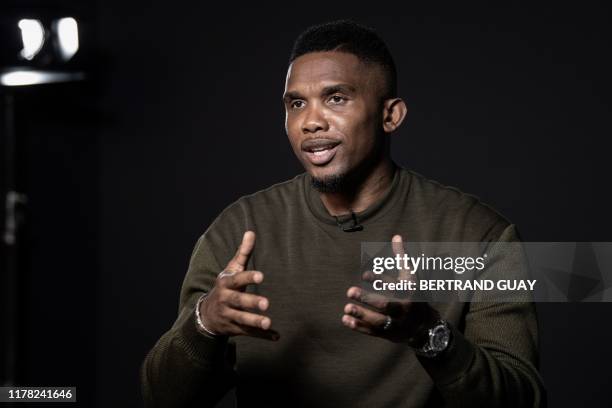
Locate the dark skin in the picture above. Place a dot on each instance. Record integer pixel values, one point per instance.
(338, 123)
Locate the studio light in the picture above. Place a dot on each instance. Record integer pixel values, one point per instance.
(48, 50)
(67, 36)
(29, 77)
(33, 37)
(37, 48)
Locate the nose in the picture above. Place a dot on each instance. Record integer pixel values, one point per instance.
(314, 120)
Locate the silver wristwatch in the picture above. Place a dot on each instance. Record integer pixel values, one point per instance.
(436, 341)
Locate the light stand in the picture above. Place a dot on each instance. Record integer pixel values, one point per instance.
(45, 47)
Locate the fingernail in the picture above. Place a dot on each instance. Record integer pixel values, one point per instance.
(265, 324)
(258, 277)
(349, 321)
(263, 304)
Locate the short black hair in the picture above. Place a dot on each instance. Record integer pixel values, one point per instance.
(353, 38)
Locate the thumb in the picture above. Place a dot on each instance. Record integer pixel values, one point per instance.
(398, 245)
(241, 258)
(398, 249)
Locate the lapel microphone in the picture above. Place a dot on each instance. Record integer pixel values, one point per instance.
(352, 228)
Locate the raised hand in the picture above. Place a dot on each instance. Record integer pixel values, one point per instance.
(227, 310)
(398, 320)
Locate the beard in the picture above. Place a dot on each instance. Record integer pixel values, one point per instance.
(348, 179)
(330, 184)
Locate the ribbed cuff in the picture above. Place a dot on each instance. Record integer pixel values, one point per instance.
(200, 347)
(453, 363)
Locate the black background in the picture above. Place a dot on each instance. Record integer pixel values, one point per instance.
(183, 115)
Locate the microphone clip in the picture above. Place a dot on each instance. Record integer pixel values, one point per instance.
(351, 228)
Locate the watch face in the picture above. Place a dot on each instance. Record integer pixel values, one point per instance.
(440, 338)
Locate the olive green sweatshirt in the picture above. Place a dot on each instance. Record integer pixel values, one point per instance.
(309, 262)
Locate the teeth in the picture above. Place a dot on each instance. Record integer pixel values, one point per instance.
(320, 149)
(319, 152)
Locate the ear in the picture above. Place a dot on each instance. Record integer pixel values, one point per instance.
(394, 112)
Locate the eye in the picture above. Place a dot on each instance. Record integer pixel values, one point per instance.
(296, 104)
(337, 99)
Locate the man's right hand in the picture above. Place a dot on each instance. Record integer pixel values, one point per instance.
(224, 310)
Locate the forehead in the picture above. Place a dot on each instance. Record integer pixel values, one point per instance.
(318, 69)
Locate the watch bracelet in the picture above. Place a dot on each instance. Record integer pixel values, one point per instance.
(425, 350)
(199, 324)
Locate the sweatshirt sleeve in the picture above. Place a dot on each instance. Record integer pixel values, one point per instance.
(185, 367)
(493, 361)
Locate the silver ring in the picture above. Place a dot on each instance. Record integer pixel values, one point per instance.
(223, 274)
(388, 323)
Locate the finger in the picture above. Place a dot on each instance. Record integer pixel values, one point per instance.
(373, 299)
(398, 249)
(255, 332)
(383, 304)
(239, 262)
(357, 325)
(397, 245)
(240, 300)
(240, 279)
(374, 319)
(248, 319)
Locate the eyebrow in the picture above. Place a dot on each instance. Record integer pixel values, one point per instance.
(328, 90)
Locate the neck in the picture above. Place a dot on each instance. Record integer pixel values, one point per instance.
(363, 193)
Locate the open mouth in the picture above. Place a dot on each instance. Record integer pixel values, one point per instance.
(320, 151)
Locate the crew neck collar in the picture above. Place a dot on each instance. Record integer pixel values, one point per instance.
(319, 210)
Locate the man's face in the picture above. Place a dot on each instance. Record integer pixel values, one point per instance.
(333, 112)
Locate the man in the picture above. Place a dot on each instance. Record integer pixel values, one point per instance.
(270, 303)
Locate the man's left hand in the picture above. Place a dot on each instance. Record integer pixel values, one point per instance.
(398, 320)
